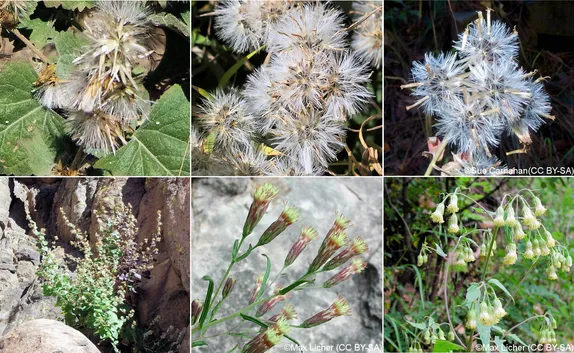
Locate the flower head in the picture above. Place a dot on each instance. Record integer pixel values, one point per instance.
(196, 308)
(339, 308)
(289, 216)
(453, 204)
(356, 247)
(436, 216)
(261, 199)
(367, 40)
(357, 266)
(228, 287)
(453, 224)
(268, 338)
(307, 234)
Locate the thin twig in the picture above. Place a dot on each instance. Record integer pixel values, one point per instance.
(29, 44)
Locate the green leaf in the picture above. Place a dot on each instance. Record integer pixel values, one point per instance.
(446, 346)
(421, 326)
(227, 76)
(472, 294)
(484, 334)
(42, 32)
(78, 5)
(265, 278)
(170, 21)
(69, 46)
(499, 342)
(245, 254)
(501, 286)
(198, 343)
(206, 302)
(264, 325)
(293, 286)
(199, 39)
(31, 136)
(161, 145)
(440, 251)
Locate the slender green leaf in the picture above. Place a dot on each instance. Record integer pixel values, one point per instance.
(440, 251)
(232, 349)
(421, 326)
(420, 284)
(198, 343)
(293, 286)
(501, 286)
(244, 255)
(264, 325)
(206, 302)
(446, 346)
(227, 76)
(265, 278)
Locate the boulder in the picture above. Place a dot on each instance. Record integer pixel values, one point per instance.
(45, 336)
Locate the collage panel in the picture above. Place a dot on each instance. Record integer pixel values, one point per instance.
(478, 264)
(287, 88)
(94, 265)
(478, 88)
(95, 87)
(287, 265)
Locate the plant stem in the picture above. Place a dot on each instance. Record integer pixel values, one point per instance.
(29, 44)
(436, 155)
(489, 251)
(446, 294)
(515, 326)
(520, 283)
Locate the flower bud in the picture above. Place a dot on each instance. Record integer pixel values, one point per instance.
(549, 239)
(536, 247)
(333, 242)
(511, 256)
(256, 289)
(261, 199)
(510, 217)
(267, 338)
(436, 216)
(539, 209)
(451, 335)
(453, 204)
(288, 313)
(289, 216)
(228, 286)
(441, 335)
(483, 250)
(471, 319)
(529, 219)
(268, 305)
(499, 219)
(544, 250)
(307, 234)
(551, 270)
(341, 223)
(453, 224)
(499, 311)
(420, 260)
(357, 266)
(426, 336)
(554, 324)
(357, 247)
(484, 317)
(569, 261)
(196, 308)
(339, 308)
(518, 232)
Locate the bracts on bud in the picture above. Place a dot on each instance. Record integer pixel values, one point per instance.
(228, 287)
(339, 308)
(357, 247)
(261, 199)
(333, 242)
(307, 234)
(289, 216)
(196, 308)
(356, 266)
(268, 338)
(341, 223)
(288, 313)
(256, 289)
(268, 305)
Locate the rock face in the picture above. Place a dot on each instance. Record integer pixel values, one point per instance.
(46, 336)
(219, 209)
(163, 300)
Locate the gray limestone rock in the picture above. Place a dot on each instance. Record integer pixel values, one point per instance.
(218, 219)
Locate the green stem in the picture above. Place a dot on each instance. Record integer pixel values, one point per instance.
(489, 251)
(436, 156)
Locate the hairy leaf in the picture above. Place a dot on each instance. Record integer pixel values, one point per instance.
(161, 145)
(30, 135)
(472, 294)
(446, 346)
(79, 5)
(69, 46)
(42, 32)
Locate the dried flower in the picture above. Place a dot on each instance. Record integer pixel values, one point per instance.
(357, 266)
(339, 308)
(289, 216)
(357, 247)
(307, 234)
(261, 199)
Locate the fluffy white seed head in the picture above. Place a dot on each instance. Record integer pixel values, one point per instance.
(367, 39)
(97, 132)
(226, 117)
(315, 27)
